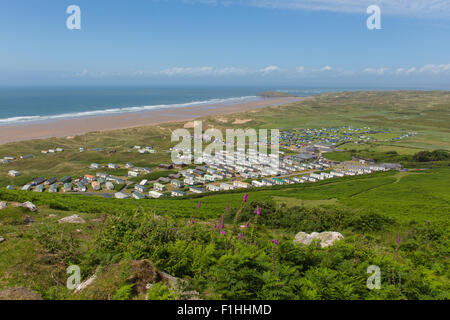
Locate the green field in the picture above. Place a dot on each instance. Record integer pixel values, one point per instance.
(372, 212)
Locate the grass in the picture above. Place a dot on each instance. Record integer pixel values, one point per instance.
(33, 256)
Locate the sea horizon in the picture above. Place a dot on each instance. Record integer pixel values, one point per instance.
(31, 104)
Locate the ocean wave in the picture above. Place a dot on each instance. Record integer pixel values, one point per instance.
(100, 112)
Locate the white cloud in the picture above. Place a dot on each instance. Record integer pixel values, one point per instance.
(430, 69)
(204, 71)
(378, 71)
(273, 70)
(416, 8)
(269, 69)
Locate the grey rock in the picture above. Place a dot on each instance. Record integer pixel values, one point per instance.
(28, 220)
(72, 219)
(326, 238)
(30, 206)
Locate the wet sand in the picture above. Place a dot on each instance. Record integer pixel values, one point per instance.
(73, 127)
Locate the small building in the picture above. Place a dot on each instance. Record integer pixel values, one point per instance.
(121, 195)
(39, 188)
(27, 156)
(268, 182)
(89, 177)
(38, 181)
(13, 173)
(175, 176)
(226, 186)
(95, 185)
(109, 186)
(66, 179)
(257, 183)
(159, 186)
(155, 194)
(196, 190)
(177, 193)
(163, 180)
(133, 173)
(213, 187)
(189, 181)
(113, 166)
(51, 181)
(94, 166)
(140, 188)
(241, 184)
(26, 187)
(10, 187)
(137, 195)
(67, 187)
(177, 183)
(278, 181)
(391, 166)
(53, 188)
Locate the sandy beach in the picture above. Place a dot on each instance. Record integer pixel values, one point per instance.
(73, 127)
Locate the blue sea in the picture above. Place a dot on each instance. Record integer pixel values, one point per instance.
(32, 104)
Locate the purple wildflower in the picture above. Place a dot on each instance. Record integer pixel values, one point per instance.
(258, 211)
(247, 224)
(227, 208)
(199, 204)
(223, 232)
(245, 197)
(399, 239)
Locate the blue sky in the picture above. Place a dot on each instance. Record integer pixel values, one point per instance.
(229, 42)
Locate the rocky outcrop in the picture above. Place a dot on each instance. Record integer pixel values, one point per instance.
(72, 219)
(86, 283)
(28, 220)
(326, 238)
(2, 239)
(19, 294)
(30, 206)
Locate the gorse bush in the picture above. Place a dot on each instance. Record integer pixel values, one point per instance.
(296, 219)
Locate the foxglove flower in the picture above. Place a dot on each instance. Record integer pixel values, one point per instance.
(245, 197)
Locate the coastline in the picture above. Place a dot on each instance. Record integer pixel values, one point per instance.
(78, 126)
